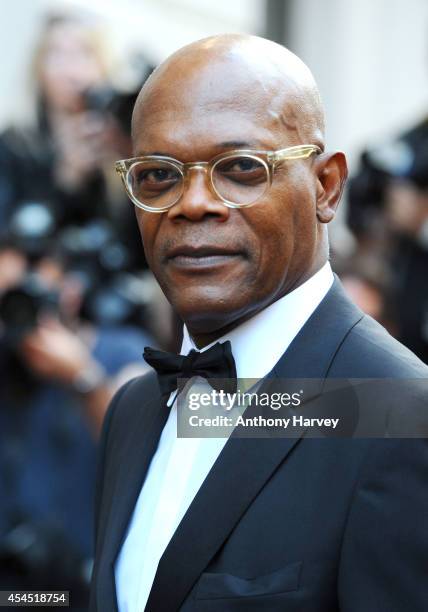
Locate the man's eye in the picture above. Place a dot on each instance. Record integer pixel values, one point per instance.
(149, 180)
(244, 164)
(242, 170)
(156, 175)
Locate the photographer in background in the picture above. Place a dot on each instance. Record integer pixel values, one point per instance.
(66, 158)
(388, 213)
(72, 315)
(407, 216)
(58, 373)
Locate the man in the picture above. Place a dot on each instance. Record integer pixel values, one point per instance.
(237, 239)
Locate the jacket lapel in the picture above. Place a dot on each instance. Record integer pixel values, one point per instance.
(246, 464)
(132, 461)
(313, 349)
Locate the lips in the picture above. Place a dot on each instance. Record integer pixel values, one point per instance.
(200, 251)
(202, 256)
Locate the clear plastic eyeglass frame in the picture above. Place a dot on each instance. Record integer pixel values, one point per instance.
(269, 159)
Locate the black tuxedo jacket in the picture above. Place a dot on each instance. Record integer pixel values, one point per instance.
(295, 524)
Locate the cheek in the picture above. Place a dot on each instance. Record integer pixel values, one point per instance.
(148, 224)
(285, 229)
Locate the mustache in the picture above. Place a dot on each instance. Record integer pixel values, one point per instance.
(197, 240)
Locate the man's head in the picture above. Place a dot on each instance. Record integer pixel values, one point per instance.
(217, 265)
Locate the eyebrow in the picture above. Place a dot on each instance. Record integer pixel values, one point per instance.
(229, 144)
(150, 153)
(237, 144)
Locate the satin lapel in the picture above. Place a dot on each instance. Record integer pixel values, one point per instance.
(245, 464)
(312, 351)
(133, 460)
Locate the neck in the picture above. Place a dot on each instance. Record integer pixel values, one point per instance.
(202, 338)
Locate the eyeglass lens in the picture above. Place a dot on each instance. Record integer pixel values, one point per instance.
(239, 179)
(155, 183)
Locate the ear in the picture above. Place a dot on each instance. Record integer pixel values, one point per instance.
(331, 170)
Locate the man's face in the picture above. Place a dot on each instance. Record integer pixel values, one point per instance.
(217, 265)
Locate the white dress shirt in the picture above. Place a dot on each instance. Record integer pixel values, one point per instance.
(180, 465)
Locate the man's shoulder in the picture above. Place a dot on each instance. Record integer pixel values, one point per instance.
(369, 351)
(132, 399)
(137, 392)
(340, 341)
(144, 387)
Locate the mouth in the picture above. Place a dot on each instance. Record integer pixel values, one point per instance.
(202, 257)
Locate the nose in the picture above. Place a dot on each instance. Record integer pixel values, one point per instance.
(198, 200)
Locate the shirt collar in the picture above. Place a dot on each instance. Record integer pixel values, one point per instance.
(258, 344)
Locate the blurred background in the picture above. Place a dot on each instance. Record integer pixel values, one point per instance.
(77, 303)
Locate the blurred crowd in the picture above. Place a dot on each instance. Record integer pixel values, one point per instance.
(388, 215)
(78, 305)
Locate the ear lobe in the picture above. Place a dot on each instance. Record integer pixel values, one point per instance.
(332, 172)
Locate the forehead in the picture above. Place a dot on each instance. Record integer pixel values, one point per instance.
(210, 105)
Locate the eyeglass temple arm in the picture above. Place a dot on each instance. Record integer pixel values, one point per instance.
(120, 166)
(298, 152)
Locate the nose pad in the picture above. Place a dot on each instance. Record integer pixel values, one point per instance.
(201, 180)
(198, 198)
(188, 176)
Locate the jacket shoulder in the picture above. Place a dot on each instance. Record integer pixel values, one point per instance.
(369, 351)
(130, 399)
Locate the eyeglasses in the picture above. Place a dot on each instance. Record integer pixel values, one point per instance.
(239, 178)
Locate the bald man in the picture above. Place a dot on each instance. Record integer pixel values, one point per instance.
(233, 191)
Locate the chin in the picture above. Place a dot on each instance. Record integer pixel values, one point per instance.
(202, 312)
(208, 316)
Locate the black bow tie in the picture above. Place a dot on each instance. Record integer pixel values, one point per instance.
(215, 364)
